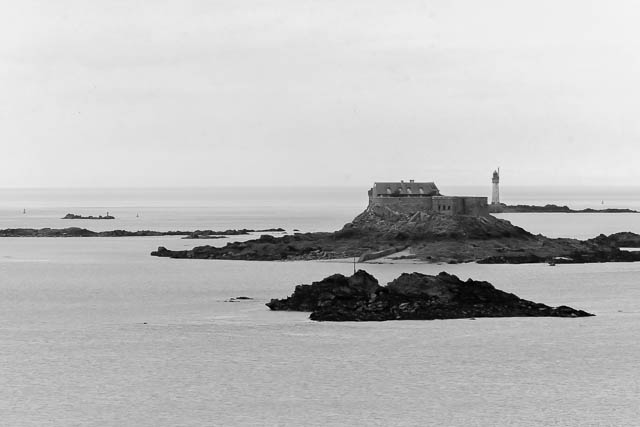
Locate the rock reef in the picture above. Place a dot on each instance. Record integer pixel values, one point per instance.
(412, 296)
(210, 234)
(74, 216)
(551, 208)
(380, 232)
(83, 232)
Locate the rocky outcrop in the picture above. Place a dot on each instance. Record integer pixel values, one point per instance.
(270, 248)
(74, 216)
(210, 234)
(380, 231)
(412, 296)
(618, 240)
(83, 232)
(551, 208)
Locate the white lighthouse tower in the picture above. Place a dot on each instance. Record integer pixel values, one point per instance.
(495, 194)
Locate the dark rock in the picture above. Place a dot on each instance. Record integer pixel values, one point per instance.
(618, 240)
(47, 232)
(361, 285)
(74, 216)
(430, 237)
(551, 208)
(203, 236)
(412, 296)
(83, 232)
(236, 299)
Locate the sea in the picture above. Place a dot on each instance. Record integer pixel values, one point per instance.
(96, 332)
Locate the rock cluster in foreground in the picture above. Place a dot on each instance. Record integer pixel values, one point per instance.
(411, 296)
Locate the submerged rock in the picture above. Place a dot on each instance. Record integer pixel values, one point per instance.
(413, 296)
(236, 299)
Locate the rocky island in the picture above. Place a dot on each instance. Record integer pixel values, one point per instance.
(74, 216)
(382, 233)
(551, 208)
(411, 296)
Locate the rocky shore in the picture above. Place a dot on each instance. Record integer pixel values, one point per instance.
(551, 208)
(411, 296)
(378, 233)
(210, 234)
(83, 232)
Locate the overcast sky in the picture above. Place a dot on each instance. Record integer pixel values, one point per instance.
(326, 92)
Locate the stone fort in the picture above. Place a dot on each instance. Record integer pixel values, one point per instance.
(424, 196)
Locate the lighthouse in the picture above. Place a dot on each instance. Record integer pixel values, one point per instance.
(495, 194)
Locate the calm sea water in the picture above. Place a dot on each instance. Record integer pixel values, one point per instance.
(95, 332)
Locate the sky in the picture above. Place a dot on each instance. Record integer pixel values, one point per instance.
(136, 93)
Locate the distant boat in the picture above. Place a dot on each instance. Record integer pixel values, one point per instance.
(24, 211)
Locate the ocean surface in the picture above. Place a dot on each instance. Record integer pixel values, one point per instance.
(95, 332)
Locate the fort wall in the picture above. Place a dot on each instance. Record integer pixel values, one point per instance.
(476, 206)
(446, 205)
(403, 204)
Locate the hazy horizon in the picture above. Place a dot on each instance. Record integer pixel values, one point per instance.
(118, 94)
(552, 188)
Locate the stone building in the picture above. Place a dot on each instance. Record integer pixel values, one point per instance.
(424, 196)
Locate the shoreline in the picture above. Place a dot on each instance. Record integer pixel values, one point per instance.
(383, 235)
